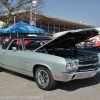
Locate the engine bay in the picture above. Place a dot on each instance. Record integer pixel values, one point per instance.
(86, 60)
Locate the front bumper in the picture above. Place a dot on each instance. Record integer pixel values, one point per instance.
(79, 75)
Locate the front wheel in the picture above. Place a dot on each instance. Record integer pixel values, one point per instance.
(44, 79)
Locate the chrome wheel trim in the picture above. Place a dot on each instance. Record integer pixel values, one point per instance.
(43, 78)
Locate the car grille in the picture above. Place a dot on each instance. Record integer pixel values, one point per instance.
(89, 62)
(87, 68)
(88, 65)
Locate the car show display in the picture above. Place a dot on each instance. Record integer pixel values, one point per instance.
(49, 61)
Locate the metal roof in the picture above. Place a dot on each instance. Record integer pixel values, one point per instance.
(25, 16)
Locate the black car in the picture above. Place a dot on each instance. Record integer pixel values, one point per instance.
(88, 46)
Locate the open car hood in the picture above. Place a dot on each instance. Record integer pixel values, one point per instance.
(70, 38)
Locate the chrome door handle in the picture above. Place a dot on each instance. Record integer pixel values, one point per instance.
(4, 52)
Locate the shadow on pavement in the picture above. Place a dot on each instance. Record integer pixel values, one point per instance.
(76, 84)
(19, 75)
(68, 86)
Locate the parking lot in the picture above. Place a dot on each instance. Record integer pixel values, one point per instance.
(14, 86)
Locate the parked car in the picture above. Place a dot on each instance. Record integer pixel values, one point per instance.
(54, 60)
(88, 46)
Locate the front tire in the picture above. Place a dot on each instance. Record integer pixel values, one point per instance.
(44, 79)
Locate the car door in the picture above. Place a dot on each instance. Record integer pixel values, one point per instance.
(13, 56)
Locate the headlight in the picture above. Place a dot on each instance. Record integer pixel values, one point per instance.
(72, 66)
(75, 65)
(69, 67)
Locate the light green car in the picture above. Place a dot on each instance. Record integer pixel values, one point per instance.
(49, 61)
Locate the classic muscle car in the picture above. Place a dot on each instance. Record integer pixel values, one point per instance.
(52, 60)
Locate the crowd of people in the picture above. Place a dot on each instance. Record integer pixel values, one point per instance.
(96, 41)
(4, 40)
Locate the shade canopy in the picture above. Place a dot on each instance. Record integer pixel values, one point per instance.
(22, 27)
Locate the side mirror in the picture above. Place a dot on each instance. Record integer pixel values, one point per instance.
(14, 49)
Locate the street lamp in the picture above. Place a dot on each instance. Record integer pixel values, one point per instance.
(33, 13)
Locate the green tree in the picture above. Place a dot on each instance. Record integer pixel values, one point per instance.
(5, 25)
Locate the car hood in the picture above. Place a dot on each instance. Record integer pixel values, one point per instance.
(71, 38)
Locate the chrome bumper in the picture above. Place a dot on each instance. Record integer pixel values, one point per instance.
(78, 75)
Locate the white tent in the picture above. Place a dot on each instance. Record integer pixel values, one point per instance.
(59, 33)
(63, 32)
(98, 28)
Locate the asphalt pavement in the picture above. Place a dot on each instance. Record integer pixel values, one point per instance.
(14, 86)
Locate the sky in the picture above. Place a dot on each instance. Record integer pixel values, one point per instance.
(74, 10)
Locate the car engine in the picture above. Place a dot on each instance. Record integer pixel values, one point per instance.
(87, 61)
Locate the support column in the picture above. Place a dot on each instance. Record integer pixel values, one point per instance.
(41, 25)
(59, 27)
(33, 12)
(48, 27)
(54, 29)
(64, 27)
(68, 27)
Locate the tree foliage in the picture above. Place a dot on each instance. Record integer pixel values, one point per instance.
(8, 6)
(4, 25)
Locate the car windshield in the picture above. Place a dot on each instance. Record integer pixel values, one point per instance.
(32, 44)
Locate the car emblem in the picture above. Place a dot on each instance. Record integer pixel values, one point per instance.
(95, 64)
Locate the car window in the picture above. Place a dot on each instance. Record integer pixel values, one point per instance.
(16, 44)
(31, 44)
